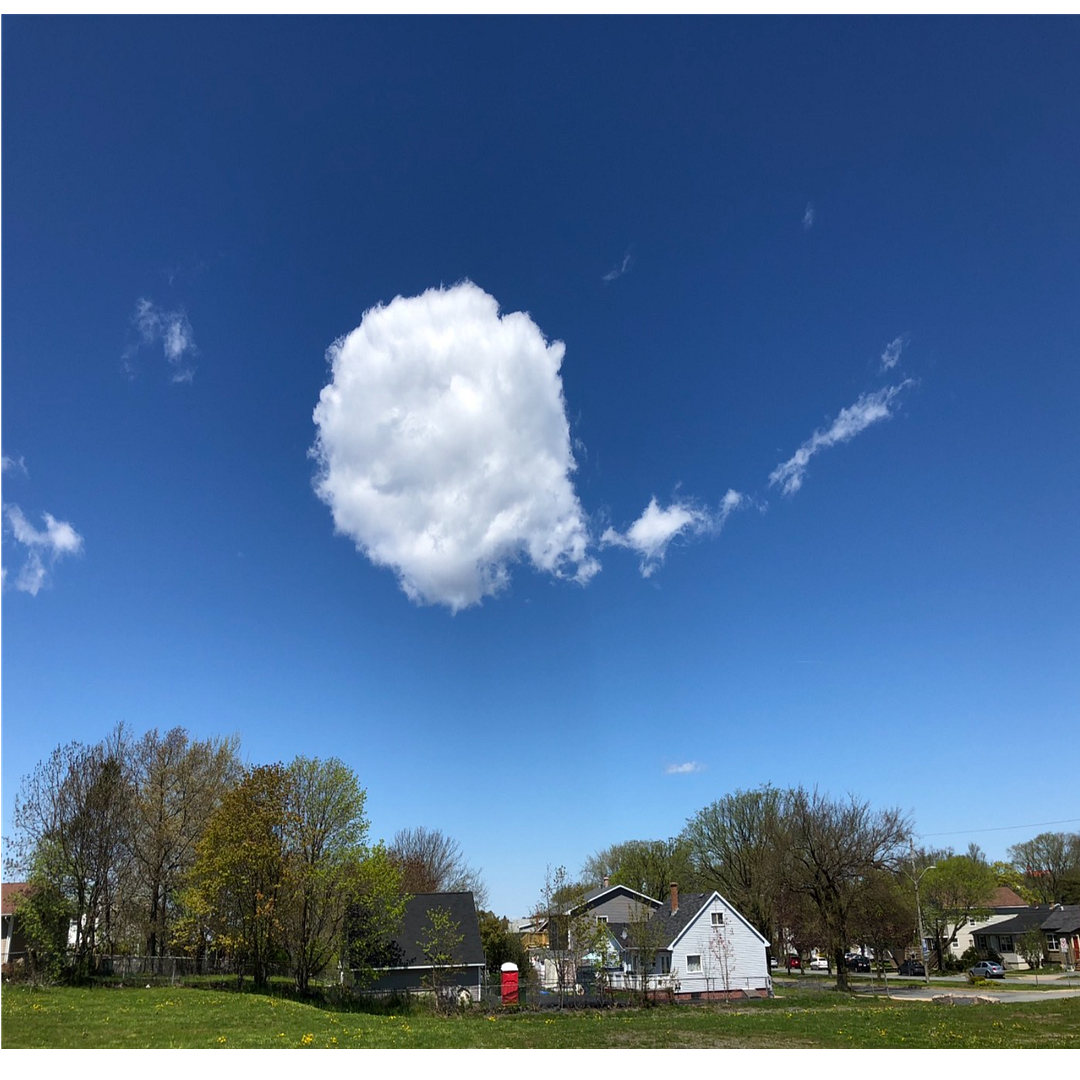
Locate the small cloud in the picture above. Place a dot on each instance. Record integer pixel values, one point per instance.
(808, 216)
(650, 535)
(618, 272)
(684, 768)
(444, 448)
(14, 465)
(44, 548)
(869, 409)
(173, 330)
(891, 356)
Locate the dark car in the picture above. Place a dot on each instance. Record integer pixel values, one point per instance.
(912, 967)
(794, 963)
(858, 963)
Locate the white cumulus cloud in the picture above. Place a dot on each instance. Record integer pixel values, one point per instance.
(13, 464)
(444, 450)
(44, 547)
(650, 535)
(173, 330)
(684, 768)
(869, 409)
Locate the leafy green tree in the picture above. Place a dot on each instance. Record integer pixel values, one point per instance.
(739, 845)
(44, 913)
(648, 866)
(325, 830)
(235, 903)
(501, 944)
(439, 942)
(955, 893)
(1032, 947)
(376, 909)
(1008, 876)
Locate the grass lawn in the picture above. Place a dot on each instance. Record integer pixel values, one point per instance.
(185, 1017)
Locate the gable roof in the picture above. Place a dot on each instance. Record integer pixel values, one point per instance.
(406, 951)
(691, 905)
(1065, 918)
(1018, 924)
(1004, 897)
(597, 896)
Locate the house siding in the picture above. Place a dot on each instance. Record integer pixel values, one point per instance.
(748, 966)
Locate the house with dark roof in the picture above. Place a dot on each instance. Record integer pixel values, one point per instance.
(695, 947)
(1062, 930)
(1003, 937)
(1004, 904)
(409, 967)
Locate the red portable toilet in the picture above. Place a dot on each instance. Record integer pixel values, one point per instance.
(509, 983)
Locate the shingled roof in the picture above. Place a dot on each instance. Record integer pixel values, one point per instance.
(406, 950)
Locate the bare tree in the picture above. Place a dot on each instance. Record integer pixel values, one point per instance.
(76, 805)
(431, 862)
(835, 847)
(1050, 864)
(177, 784)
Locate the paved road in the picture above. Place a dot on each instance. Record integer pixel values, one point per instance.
(914, 988)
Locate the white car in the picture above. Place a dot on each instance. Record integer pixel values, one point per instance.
(819, 963)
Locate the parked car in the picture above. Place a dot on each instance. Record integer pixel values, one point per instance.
(819, 963)
(773, 962)
(794, 963)
(987, 969)
(912, 967)
(858, 963)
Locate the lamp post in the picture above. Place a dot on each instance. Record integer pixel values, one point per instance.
(916, 878)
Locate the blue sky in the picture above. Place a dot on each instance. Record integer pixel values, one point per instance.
(710, 417)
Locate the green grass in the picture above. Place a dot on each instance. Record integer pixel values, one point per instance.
(184, 1017)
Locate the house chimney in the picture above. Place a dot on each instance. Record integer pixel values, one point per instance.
(674, 897)
(605, 881)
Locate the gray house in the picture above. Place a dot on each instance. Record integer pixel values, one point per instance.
(409, 970)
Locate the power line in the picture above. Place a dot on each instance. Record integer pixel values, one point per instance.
(999, 828)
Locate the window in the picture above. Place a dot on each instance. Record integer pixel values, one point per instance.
(601, 918)
(665, 963)
(1052, 944)
(1005, 943)
(980, 941)
(718, 918)
(693, 963)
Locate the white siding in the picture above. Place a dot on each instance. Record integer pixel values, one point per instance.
(747, 965)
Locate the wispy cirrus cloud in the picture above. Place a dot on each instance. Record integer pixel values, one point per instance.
(444, 450)
(624, 267)
(808, 216)
(43, 547)
(169, 328)
(13, 464)
(684, 768)
(891, 356)
(657, 527)
(869, 409)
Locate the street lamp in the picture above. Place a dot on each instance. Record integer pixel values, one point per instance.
(916, 878)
